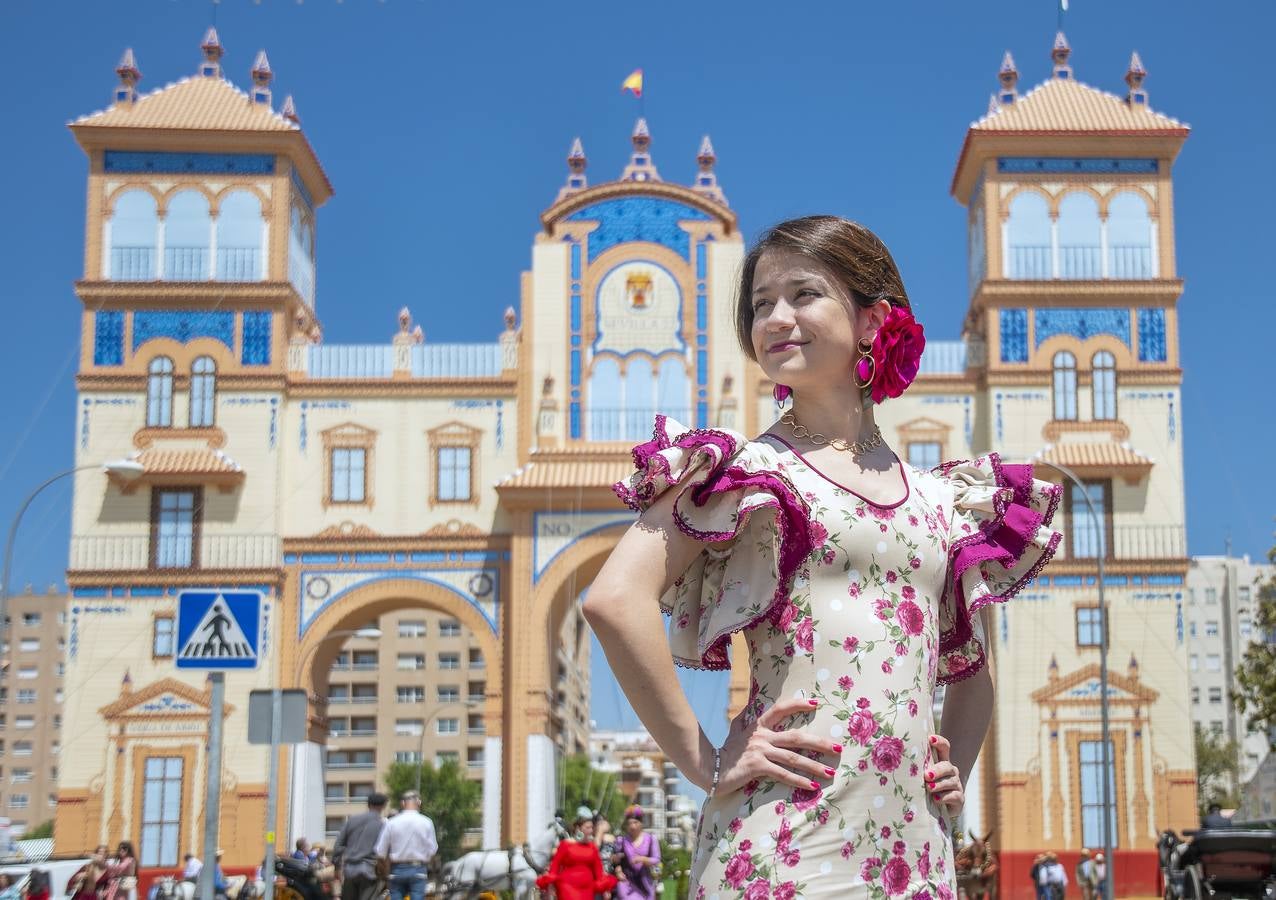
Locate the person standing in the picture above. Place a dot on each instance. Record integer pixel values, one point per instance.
(1098, 878)
(408, 843)
(302, 852)
(1054, 878)
(637, 859)
(192, 868)
(576, 871)
(120, 875)
(1085, 874)
(1215, 818)
(355, 851)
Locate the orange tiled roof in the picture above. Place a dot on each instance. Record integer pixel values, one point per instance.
(569, 473)
(186, 462)
(1107, 454)
(1064, 104)
(192, 103)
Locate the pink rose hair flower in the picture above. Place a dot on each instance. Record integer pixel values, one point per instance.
(897, 353)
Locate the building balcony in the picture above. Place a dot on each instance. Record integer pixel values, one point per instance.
(351, 765)
(1122, 542)
(349, 732)
(140, 552)
(139, 263)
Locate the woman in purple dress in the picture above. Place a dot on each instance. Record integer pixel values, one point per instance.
(637, 859)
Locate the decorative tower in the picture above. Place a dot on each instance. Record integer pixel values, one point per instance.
(213, 53)
(706, 178)
(576, 164)
(289, 111)
(1134, 76)
(1072, 331)
(640, 167)
(126, 92)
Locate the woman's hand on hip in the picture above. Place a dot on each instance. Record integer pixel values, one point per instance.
(942, 778)
(762, 750)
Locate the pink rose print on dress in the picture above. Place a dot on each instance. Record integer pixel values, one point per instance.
(956, 663)
(746, 845)
(886, 831)
(909, 592)
(912, 708)
(899, 848)
(784, 849)
(683, 620)
(915, 563)
(923, 894)
(757, 890)
(822, 815)
(944, 892)
(909, 815)
(881, 512)
(830, 557)
(851, 644)
(892, 576)
(882, 608)
(861, 726)
(847, 849)
(738, 869)
(887, 753)
(787, 615)
(912, 520)
(819, 534)
(853, 589)
(923, 862)
(867, 868)
(805, 636)
(806, 798)
(895, 875)
(785, 891)
(910, 616)
(845, 682)
(736, 824)
(887, 666)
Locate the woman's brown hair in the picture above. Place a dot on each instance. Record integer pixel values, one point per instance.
(855, 255)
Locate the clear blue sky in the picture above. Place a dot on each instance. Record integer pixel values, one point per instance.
(443, 127)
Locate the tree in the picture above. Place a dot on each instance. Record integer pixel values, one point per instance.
(452, 801)
(1217, 761)
(583, 785)
(1255, 692)
(44, 830)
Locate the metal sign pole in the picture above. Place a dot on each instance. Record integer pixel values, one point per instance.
(272, 792)
(212, 801)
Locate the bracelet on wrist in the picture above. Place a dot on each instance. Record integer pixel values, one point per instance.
(717, 771)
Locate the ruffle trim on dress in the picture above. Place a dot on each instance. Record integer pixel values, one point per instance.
(1013, 533)
(706, 464)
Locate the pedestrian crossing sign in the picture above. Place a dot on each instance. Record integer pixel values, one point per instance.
(218, 629)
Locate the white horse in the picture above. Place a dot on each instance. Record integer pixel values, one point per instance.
(514, 869)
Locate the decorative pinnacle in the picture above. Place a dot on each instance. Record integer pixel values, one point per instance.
(1134, 76)
(576, 160)
(1060, 53)
(261, 69)
(1008, 64)
(212, 45)
(127, 69)
(289, 111)
(1136, 64)
(706, 157)
(641, 137)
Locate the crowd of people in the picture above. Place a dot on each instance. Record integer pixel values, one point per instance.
(1051, 878)
(593, 862)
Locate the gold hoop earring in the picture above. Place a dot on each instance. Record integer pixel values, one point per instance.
(865, 366)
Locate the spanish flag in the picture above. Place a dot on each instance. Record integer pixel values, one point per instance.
(633, 83)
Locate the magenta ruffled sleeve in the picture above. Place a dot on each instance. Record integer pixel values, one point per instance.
(725, 492)
(1000, 538)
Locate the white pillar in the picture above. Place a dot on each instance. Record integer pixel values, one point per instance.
(307, 819)
(542, 783)
(491, 792)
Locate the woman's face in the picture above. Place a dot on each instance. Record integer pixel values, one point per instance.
(805, 324)
(633, 828)
(587, 828)
(122, 851)
(102, 851)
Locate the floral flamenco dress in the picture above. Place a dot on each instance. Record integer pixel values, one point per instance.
(860, 606)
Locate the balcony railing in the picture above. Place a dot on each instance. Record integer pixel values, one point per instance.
(186, 264)
(350, 732)
(133, 263)
(630, 424)
(1079, 262)
(97, 552)
(1123, 542)
(351, 765)
(238, 264)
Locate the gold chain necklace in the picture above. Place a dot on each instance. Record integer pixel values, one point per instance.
(872, 442)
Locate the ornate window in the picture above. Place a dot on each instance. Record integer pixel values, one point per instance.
(348, 463)
(1090, 770)
(159, 393)
(1080, 237)
(1085, 539)
(1089, 628)
(203, 392)
(1104, 385)
(1130, 235)
(175, 528)
(454, 455)
(188, 232)
(161, 811)
(239, 238)
(134, 232)
(1065, 386)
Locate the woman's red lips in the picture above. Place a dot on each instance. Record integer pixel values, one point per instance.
(784, 345)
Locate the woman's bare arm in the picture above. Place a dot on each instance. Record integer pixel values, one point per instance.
(623, 609)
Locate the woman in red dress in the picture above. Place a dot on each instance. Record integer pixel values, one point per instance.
(576, 871)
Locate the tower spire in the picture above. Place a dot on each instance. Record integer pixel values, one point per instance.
(576, 164)
(289, 111)
(261, 75)
(1060, 53)
(213, 53)
(126, 91)
(1008, 76)
(1134, 76)
(707, 179)
(640, 166)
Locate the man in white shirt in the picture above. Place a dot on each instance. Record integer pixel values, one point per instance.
(193, 865)
(1053, 877)
(408, 842)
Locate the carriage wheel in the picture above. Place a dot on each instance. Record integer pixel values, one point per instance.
(287, 892)
(1194, 885)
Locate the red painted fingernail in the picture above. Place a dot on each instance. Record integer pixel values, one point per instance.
(814, 702)
(815, 785)
(932, 739)
(837, 748)
(829, 772)
(930, 774)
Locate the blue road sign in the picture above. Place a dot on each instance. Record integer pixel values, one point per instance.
(218, 629)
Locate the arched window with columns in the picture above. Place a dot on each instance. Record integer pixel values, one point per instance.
(1130, 237)
(240, 238)
(134, 236)
(1080, 237)
(1065, 386)
(203, 392)
(1028, 238)
(159, 393)
(1104, 385)
(187, 235)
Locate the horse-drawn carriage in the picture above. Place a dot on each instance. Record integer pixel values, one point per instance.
(1219, 864)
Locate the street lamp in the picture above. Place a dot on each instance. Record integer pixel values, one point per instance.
(1096, 522)
(276, 726)
(124, 469)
